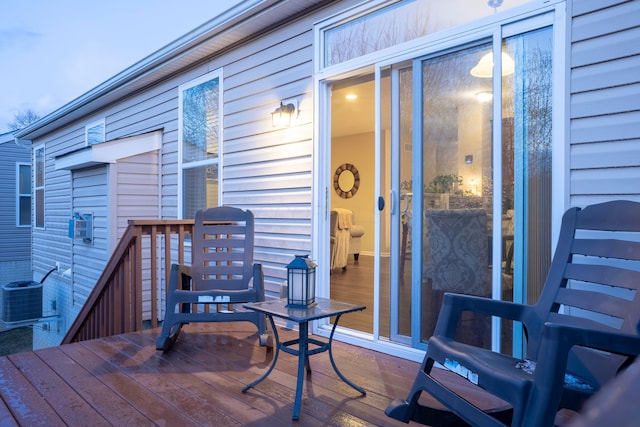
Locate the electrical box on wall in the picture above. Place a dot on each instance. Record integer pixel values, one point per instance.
(81, 226)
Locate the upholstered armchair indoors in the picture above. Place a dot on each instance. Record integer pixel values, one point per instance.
(345, 237)
(459, 260)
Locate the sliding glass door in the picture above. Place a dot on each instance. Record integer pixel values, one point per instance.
(451, 140)
(478, 221)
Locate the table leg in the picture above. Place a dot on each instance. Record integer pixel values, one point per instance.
(303, 361)
(275, 357)
(333, 363)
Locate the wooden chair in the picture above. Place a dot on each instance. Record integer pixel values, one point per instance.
(580, 333)
(221, 276)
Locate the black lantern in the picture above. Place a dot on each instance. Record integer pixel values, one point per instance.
(301, 282)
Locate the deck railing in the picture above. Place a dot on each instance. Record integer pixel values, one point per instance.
(130, 289)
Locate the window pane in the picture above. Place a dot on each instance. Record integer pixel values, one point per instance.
(402, 22)
(457, 188)
(200, 189)
(200, 122)
(527, 187)
(24, 180)
(24, 214)
(40, 208)
(95, 134)
(39, 159)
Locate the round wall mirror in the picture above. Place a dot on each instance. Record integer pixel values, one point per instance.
(346, 180)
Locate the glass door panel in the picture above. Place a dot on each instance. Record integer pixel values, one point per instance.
(456, 186)
(526, 171)
(396, 99)
(353, 275)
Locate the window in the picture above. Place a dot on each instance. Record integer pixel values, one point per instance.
(38, 161)
(95, 133)
(400, 22)
(23, 195)
(200, 106)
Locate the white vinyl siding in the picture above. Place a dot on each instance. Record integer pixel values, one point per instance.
(15, 244)
(269, 170)
(136, 195)
(90, 195)
(605, 101)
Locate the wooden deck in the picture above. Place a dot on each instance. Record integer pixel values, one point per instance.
(123, 381)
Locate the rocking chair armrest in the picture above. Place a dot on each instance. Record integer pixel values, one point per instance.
(453, 305)
(563, 337)
(556, 345)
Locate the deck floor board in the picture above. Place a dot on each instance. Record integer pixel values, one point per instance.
(122, 380)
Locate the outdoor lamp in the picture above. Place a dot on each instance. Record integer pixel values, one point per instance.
(281, 116)
(301, 282)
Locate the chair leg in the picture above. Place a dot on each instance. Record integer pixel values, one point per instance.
(167, 338)
(170, 327)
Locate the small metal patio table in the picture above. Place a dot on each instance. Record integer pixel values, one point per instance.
(302, 316)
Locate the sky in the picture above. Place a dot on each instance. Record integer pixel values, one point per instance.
(53, 51)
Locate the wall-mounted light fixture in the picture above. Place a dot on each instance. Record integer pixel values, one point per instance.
(284, 114)
(468, 159)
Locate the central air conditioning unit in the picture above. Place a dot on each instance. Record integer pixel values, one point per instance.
(21, 301)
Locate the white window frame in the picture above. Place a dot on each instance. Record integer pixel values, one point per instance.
(37, 188)
(208, 162)
(88, 132)
(20, 195)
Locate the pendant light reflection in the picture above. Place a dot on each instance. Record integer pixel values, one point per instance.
(484, 96)
(484, 67)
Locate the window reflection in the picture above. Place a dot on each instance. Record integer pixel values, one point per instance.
(401, 22)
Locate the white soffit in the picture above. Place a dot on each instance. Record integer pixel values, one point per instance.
(110, 151)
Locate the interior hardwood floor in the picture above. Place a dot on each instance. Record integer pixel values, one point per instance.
(355, 285)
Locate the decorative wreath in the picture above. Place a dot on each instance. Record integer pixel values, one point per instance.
(346, 193)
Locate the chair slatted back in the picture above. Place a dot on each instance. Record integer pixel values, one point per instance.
(222, 249)
(594, 277)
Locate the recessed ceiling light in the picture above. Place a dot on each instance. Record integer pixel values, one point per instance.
(351, 96)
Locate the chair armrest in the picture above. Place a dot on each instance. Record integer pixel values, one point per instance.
(453, 305)
(563, 337)
(555, 347)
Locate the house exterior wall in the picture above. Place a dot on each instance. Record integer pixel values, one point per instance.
(605, 101)
(270, 170)
(257, 75)
(15, 244)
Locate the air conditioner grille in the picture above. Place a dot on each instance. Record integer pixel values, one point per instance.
(21, 301)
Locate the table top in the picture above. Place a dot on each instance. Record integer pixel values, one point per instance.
(323, 308)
